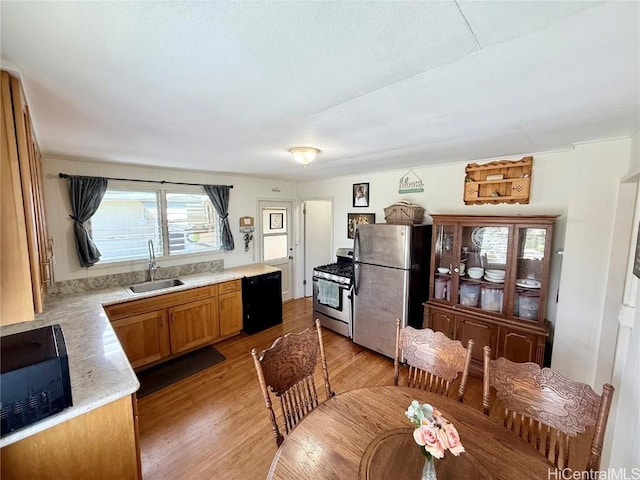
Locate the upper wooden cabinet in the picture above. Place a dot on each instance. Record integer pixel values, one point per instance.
(504, 305)
(25, 247)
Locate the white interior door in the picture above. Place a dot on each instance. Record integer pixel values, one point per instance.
(276, 244)
(318, 238)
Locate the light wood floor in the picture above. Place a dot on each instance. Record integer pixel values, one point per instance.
(213, 425)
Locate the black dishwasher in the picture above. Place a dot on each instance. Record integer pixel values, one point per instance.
(261, 301)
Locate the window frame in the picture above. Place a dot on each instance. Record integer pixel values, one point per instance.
(161, 195)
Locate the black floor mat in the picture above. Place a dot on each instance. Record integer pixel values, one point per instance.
(154, 378)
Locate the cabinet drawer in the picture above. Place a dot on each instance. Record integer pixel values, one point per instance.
(229, 287)
(134, 307)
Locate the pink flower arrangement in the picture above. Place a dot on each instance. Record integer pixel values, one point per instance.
(434, 433)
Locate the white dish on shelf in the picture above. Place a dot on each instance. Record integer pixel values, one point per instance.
(528, 283)
(476, 236)
(443, 270)
(494, 280)
(491, 273)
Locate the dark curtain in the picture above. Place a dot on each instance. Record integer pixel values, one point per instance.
(219, 196)
(86, 194)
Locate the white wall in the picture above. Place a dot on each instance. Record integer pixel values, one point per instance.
(589, 243)
(243, 202)
(624, 422)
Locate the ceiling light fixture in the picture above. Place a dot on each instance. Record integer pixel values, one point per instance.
(304, 155)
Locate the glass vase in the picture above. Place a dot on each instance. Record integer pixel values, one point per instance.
(429, 469)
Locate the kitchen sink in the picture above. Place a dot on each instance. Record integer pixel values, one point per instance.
(156, 285)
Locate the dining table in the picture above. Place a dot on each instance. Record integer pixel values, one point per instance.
(364, 434)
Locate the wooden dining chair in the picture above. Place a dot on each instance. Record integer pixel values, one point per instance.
(434, 359)
(546, 409)
(286, 369)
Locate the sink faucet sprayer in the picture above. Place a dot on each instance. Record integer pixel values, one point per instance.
(153, 267)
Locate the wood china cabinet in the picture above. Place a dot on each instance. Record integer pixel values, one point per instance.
(25, 247)
(504, 308)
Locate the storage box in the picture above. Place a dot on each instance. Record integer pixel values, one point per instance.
(403, 214)
(34, 377)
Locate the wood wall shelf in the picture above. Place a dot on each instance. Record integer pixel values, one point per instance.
(513, 187)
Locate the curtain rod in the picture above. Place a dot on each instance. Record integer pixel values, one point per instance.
(65, 175)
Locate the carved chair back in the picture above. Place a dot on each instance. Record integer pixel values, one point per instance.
(546, 409)
(286, 369)
(434, 360)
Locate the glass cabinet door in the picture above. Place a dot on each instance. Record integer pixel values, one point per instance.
(445, 259)
(530, 275)
(483, 266)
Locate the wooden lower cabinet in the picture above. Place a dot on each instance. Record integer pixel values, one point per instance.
(442, 321)
(193, 325)
(521, 346)
(152, 330)
(482, 333)
(100, 444)
(230, 308)
(144, 337)
(516, 344)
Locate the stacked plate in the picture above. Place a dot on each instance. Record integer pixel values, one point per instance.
(475, 272)
(528, 283)
(494, 276)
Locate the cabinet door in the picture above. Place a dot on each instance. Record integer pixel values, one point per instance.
(482, 333)
(441, 321)
(444, 261)
(531, 272)
(230, 310)
(520, 346)
(16, 294)
(144, 337)
(193, 324)
(33, 210)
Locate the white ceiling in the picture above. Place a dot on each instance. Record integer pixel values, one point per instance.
(231, 86)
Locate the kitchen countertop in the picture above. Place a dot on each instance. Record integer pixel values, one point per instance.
(99, 369)
(255, 269)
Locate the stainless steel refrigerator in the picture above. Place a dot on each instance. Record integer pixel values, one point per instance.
(391, 280)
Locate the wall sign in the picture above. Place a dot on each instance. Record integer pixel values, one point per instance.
(410, 183)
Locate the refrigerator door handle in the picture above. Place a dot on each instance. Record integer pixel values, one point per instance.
(356, 272)
(356, 259)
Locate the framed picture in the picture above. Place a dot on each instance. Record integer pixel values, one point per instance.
(275, 221)
(360, 194)
(354, 219)
(636, 260)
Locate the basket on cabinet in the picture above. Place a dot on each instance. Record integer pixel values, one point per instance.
(403, 213)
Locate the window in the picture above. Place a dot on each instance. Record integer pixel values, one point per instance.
(177, 222)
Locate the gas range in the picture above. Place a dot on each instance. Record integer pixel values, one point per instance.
(335, 272)
(332, 287)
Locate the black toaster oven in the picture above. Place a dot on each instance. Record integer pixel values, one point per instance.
(34, 381)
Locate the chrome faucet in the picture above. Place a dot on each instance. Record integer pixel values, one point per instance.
(153, 266)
